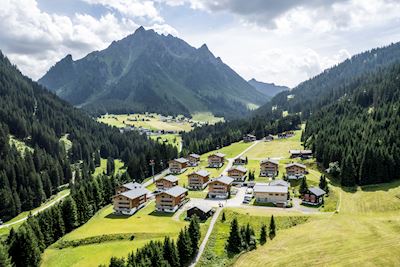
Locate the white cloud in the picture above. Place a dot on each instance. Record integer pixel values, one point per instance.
(35, 40)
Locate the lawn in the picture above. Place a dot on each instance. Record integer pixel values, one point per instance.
(206, 117)
(365, 232)
(66, 142)
(119, 167)
(145, 225)
(6, 230)
(172, 139)
(215, 254)
(20, 145)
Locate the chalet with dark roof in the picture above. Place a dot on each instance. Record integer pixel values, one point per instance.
(313, 196)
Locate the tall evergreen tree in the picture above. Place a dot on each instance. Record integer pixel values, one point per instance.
(194, 233)
(263, 234)
(5, 260)
(170, 252)
(235, 242)
(272, 228)
(70, 214)
(184, 246)
(303, 185)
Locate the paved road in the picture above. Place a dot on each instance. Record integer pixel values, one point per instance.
(156, 177)
(206, 237)
(231, 160)
(55, 201)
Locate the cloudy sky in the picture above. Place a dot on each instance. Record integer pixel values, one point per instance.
(280, 41)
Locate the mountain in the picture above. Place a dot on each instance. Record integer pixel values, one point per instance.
(38, 119)
(147, 71)
(268, 89)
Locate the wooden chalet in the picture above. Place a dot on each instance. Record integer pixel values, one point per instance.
(277, 195)
(193, 159)
(220, 187)
(279, 183)
(249, 138)
(201, 211)
(127, 187)
(128, 202)
(269, 138)
(240, 161)
(172, 199)
(216, 160)
(167, 182)
(177, 166)
(313, 196)
(305, 154)
(198, 180)
(269, 167)
(295, 170)
(238, 173)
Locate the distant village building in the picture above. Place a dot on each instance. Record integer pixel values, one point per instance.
(194, 160)
(240, 161)
(238, 173)
(129, 198)
(172, 199)
(313, 196)
(269, 167)
(282, 135)
(249, 138)
(220, 187)
(216, 160)
(279, 183)
(198, 180)
(269, 137)
(203, 212)
(289, 133)
(295, 170)
(177, 166)
(305, 154)
(167, 182)
(275, 194)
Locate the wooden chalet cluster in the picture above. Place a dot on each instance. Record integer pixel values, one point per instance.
(179, 165)
(129, 198)
(285, 134)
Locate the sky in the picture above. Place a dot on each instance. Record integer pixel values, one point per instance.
(279, 41)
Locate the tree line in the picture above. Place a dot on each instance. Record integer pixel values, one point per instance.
(32, 114)
(166, 253)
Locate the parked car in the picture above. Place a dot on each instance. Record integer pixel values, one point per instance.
(246, 201)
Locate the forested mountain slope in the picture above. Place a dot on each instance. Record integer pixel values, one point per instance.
(332, 83)
(149, 72)
(361, 130)
(268, 89)
(37, 117)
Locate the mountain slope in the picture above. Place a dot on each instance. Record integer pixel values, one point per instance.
(268, 89)
(150, 72)
(30, 113)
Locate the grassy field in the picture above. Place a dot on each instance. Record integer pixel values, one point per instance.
(206, 117)
(172, 139)
(6, 230)
(145, 225)
(20, 145)
(119, 167)
(66, 142)
(215, 254)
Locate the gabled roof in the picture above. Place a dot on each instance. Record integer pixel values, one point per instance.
(224, 179)
(176, 191)
(317, 191)
(202, 173)
(170, 178)
(203, 208)
(293, 151)
(135, 193)
(239, 168)
(263, 188)
(240, 158)
(250, 135)
(279, 183)
(181, 160)
(195, 156)
(218, 154)
(132, 185)
(269, 160)
(296, 164)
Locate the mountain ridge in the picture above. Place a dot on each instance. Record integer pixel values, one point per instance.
(268, 89)
(146, 71)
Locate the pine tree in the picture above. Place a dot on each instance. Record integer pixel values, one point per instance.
(263, 234)
(70, 214)
(272, 228)
(184, 246)
(234, 244)
(303, 186)
(5, 260)
(170, 252)
(194, 233)
(117, 262)
(110, 166)
(348, 174)
(223, 217)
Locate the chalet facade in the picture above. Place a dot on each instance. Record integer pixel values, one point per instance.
(194, 160)
(216, 160)
(128, 202)
(198, 180)
(166, 182)
(295, 170)
(249, 138)
(172, 199)
(269, 168)
(304, 154)
(313, 196)
(277, 195)
(177, 166)
(238, 173)
(240, 161)
(201, 211)
(220, 187)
